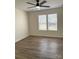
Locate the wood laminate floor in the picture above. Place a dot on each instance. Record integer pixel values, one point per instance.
(35, 47)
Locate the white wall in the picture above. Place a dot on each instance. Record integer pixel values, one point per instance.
(21, 24)
(33, 23)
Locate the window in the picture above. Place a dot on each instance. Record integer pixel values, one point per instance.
(52, 22)
(42, 22)
(48, 22)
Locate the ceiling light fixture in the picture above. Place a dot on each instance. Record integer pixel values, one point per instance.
(38, 7)
(38, 4)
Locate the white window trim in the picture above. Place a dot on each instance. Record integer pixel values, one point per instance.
(47, 22)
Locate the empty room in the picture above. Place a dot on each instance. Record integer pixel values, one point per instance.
(39, 29)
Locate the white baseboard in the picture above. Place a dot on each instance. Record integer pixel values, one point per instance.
(16, 40)
(48, 36)
(35, 35)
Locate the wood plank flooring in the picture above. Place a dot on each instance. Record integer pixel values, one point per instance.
(35, 47)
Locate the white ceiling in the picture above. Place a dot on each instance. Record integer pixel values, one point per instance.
(20, 4)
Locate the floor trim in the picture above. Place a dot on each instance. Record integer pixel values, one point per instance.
(47, 36)
(22, 39)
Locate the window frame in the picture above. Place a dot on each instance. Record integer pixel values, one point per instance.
(56, 22)
(47, 22)
(38, 22)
